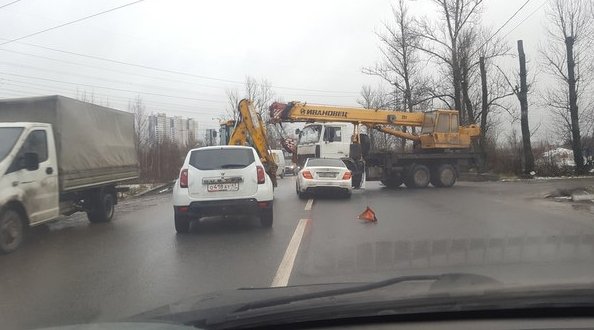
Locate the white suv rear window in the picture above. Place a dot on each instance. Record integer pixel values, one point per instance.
(215, 159)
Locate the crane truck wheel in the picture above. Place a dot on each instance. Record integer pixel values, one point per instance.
(12, 228)
(418, 177)
(444, 177)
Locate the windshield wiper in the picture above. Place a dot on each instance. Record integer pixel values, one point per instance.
(233, 166)
(336, 292)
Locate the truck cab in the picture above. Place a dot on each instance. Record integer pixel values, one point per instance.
(28, 177)
(327, 140)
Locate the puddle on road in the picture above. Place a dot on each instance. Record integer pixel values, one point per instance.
(583, 207)
(565, 196)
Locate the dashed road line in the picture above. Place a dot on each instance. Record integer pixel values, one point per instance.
(309, 204)
(285, 268)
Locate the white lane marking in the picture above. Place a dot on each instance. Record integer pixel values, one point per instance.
(309, 204)
(283, 273)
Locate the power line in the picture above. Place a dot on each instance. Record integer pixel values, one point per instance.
(10, 3)
(113, 81)
(147, 67)
(107, 69)
(112, 88)
(526, 18)
(71, 22)
(500, 28)
(53, 89)
(20, 93)
(148, 76)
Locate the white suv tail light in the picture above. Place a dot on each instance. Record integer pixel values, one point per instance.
(183, 178)
(261, 174)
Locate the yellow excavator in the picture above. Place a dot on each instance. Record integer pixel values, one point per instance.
(441, 147)
(249, 129)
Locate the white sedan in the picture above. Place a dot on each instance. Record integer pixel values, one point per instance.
(323, 174)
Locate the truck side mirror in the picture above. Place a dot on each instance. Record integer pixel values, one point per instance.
(31, 161)
(297, 131)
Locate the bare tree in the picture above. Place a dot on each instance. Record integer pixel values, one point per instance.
(568, 58)
(233, 99)
(375, 99)
(262, 96)
(446, 39)
(401, 63)
(90, 97)
(141, 129)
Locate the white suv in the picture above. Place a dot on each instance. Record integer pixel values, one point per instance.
(222, 180)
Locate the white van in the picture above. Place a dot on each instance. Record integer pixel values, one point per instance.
(279, 159)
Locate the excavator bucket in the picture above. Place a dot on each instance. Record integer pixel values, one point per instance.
(368, 215)
(271, 171)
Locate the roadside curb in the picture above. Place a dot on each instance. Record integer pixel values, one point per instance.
(478, 177)
(157, 188)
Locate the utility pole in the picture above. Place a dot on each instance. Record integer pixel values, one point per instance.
(484, 110)
(523, 97)
(576, 143)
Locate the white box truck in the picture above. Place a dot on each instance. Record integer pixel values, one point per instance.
(59, 156)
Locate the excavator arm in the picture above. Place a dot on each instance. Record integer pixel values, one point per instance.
(250, 130)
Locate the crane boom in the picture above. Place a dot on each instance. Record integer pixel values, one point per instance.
(440, 128)
(297, 111)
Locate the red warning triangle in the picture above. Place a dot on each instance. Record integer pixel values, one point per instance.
(368, 215)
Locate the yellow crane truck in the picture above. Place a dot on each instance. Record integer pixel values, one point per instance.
(441, 146)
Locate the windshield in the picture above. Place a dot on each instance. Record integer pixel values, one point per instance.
(215, 159)
(173, 138)
(310, 134)
(8, 136)
(324, 162)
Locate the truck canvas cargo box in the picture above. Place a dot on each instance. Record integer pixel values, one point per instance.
(95, 145)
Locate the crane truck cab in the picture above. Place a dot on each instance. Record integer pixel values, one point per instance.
(327, 140)
(331, 140)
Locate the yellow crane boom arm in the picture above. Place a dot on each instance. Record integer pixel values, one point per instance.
(440, 129)
(297, 111)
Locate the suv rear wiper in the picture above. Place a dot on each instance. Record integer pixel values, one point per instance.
(233, 165)
(335, 292)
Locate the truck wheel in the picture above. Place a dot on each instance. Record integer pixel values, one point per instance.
(418, 177)
(182, 224)
(445, 176)
(102, 208)
(266, 218)
(392, 182)
(12, 229)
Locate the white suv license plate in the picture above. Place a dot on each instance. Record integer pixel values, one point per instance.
(222, 187)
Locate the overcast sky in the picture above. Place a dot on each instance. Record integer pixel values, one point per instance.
(309, 50)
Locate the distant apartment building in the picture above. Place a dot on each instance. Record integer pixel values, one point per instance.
(176, 128)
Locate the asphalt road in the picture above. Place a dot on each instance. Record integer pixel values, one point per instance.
(72, 271)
